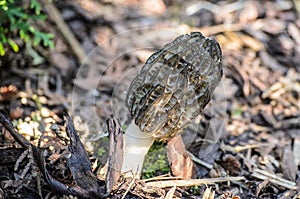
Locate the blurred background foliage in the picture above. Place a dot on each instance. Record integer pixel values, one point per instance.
(18, 21)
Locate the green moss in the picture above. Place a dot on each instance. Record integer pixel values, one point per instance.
(156, 161)
(100, 151)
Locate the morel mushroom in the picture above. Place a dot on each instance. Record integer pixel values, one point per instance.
(172, 88)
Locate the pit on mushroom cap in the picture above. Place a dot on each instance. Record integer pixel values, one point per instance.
(172, 88)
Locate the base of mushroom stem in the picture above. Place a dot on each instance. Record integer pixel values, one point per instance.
(136, 146)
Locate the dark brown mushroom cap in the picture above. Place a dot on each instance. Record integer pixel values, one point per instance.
(174, 85)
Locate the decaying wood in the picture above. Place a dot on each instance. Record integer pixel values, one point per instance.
(181, 164)
(115, 153)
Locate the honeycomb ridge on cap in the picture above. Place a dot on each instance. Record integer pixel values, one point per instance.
(175, 85)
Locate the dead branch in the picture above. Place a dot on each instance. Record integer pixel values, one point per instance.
(65, 31)
(86, 183)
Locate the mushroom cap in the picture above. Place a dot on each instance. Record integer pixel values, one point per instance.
(175, 85)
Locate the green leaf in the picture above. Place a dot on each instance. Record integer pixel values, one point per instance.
(17, 12)
(2, 51)
(13, 45)
(2, 35)
(48, 40)
(15, 18)
(51, 44)
(3, 3)
(50, 35)
(24, 36)
(32, 29)
(36, 40)
(36, 6)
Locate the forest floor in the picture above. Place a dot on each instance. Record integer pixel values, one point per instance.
(250, 130)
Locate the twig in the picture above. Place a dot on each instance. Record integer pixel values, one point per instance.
(264, 175)
(201, 162)
(191, 182)
(170, 193)
(129, 187)
(18, 137)
(65, 30)
(162, 177)
(38, 184)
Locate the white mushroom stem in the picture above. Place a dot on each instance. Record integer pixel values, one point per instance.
(136, 146)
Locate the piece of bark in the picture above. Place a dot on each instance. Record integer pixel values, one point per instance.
(80, 164)
(181, 164)
(115, 153)
(288, 166)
